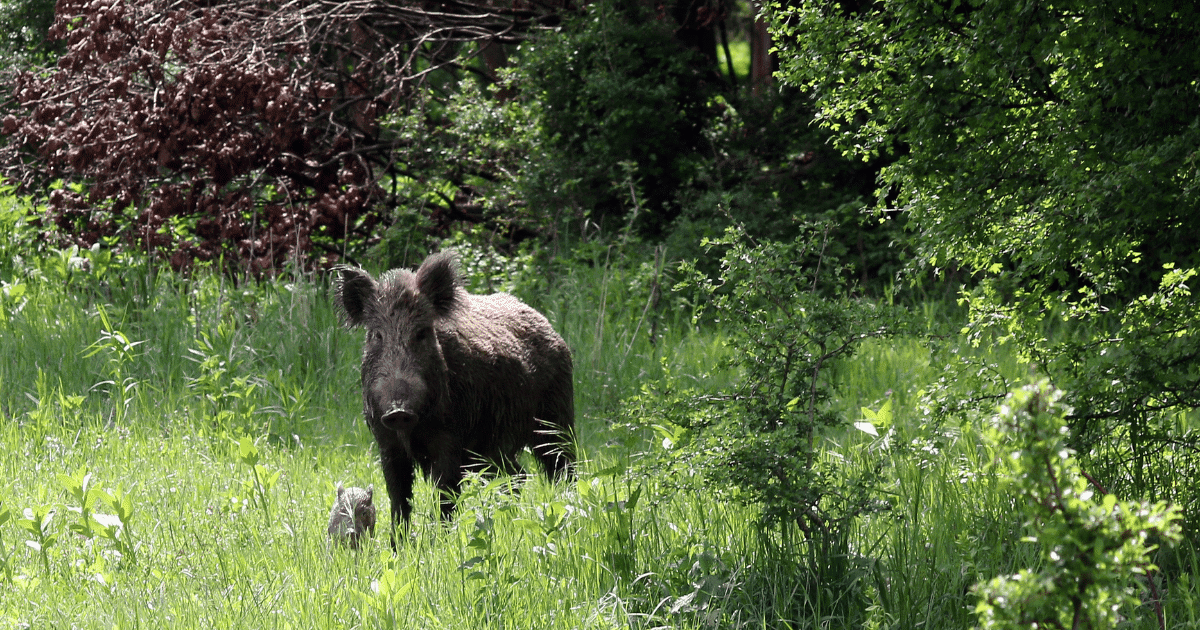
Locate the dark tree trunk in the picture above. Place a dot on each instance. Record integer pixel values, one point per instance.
(494, 58)
(762, 62)
(696, 29)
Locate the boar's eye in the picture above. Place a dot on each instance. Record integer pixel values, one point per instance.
(375, 336)
(422, 335)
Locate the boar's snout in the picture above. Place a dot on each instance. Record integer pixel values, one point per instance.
(399, 418)
(400, 400)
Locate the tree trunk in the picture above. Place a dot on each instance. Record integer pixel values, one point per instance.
(762, 62)
(697, 21)
(494, 58)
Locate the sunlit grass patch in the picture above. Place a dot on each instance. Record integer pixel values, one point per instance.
(180, 474)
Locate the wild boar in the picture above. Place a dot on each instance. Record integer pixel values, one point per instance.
(452, 380)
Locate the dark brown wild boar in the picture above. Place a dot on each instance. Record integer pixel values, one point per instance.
(452, 380)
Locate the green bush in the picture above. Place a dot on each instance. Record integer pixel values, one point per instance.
(790, 321)
(620, 107)
(1096, 551)
(18, 237)
(1049, 151)
(23, 28)
(767, 163)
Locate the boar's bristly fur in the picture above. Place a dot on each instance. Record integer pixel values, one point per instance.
(452, 380)
(352, 517)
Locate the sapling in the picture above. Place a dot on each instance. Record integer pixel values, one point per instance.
(1093, 547)
(264, 480)
(39, 522)
(80, 487)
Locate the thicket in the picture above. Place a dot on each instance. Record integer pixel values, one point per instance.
(1090, 549)
(247, 132)
(792, 322)
(585, 149)
(175, 131)
(1050, 152)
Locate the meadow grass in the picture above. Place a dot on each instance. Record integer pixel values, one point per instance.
(145, 385)
(226, 412)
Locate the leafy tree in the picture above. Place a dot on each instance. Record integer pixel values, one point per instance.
(1050, 149)
(24, 25)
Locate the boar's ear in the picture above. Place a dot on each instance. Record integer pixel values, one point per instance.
(437, 279)
(355, 288)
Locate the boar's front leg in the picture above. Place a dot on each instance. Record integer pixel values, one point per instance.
(447, 477)
(398, 474)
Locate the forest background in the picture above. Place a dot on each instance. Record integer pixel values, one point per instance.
(881, 311)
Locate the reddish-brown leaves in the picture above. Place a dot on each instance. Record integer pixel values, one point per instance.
(238, 129)
(191, 114)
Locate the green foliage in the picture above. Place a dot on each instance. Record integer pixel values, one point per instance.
(619, 106)
(461, 174)
(388, 593)
(12, 297)
(1049, 149)
(787, 310)
(1096, 554)
(404, 242)
(483, 269)
(80, 488)
(24, 25)
(92, 523)
(595, 124)
(118, 526)
(767, 165)
(263, 479)
(739, 52)
(18, 238)
(39, 523)
(790, 321)
(120, 351)
(605, 126)
(230, 395)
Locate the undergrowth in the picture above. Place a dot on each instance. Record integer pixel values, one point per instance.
(173, 444)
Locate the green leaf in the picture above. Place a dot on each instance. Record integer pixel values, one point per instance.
(866, 427)
(247, 451)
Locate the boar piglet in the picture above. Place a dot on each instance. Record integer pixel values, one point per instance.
(452, 380)
(352, 518)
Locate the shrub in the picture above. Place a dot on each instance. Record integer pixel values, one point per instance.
(1095, 553)
(790, 319)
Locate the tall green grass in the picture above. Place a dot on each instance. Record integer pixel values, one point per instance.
(161, 403)
(147, 381)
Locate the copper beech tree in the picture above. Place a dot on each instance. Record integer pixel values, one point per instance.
(246, 131)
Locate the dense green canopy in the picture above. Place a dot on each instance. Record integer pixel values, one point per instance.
(1051, 149)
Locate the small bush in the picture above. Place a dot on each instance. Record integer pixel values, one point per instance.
(1095, 553)
(790, 320)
